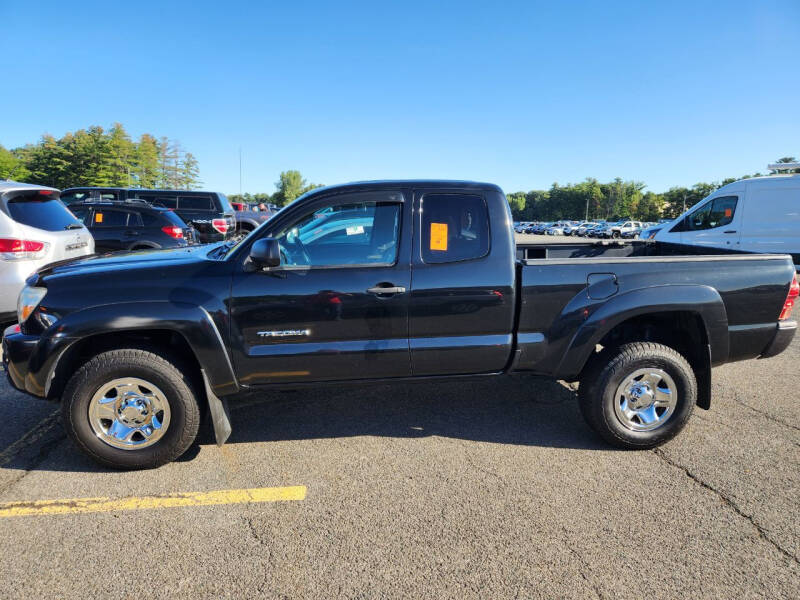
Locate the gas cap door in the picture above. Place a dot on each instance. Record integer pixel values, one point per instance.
(600, 286)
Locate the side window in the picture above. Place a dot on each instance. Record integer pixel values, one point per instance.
(108, 196)
(716, 213)
(78, 196)
(150, 220)
(454, 227)
(359, 229)
(104, 217)
(195, 203)
(134, 219)
(722, 211)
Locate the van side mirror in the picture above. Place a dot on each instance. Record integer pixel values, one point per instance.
(266, 253)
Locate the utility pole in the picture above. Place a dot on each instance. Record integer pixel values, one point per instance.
(586, 218)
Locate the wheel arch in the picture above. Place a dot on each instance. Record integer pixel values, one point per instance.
(189, 332)
(689, 318)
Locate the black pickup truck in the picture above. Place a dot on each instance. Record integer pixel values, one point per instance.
(386, 281)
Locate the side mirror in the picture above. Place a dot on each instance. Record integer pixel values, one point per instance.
(266, 253)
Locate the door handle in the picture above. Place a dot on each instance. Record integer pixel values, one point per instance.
(729, 231)
(386, 290)
(131, 232)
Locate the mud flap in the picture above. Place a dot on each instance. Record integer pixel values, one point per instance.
(703, 375)
(220, 415)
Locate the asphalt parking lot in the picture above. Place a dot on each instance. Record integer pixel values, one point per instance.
(490, 489)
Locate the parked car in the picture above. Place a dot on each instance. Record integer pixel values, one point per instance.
(621, 228)
(36, 229)
(209, 213)
(584, 227)
(307, 300)
(132, 225)
(761, 214)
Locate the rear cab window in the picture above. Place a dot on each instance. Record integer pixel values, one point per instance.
(42, 210)
(455, 227)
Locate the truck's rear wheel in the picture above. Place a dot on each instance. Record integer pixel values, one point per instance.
(131, 409)
(639, 395)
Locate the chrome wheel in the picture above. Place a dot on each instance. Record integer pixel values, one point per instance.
(645, 400)
(129, 413)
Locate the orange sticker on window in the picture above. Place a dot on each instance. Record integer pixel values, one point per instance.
(438, 236)
(728, 212)
(98, 217)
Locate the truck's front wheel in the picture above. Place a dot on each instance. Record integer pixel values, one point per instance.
(131, 409)
(639, 395)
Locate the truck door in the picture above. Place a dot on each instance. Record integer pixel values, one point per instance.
(337, 306)
(462, 297)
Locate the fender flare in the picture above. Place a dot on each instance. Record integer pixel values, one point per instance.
(194, 323)
(703, 300)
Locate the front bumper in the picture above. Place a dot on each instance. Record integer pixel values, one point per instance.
(30, 360)
(784, 334)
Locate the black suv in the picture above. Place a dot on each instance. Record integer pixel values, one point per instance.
(132, 225)
(209, 213)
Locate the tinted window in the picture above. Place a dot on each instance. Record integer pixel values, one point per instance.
(40, 212)
(150, 219)
(195, 202)
(454, 227)
(104, 217)
(347, 233)
(109, 196)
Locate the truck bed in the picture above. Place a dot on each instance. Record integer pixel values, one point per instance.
(566, 289)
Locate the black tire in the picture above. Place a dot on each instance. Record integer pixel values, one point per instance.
(146, 364)
(615, 235)
(601, 379)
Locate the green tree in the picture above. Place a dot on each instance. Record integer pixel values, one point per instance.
(146, 162)
(290, 186)
(12, 166)
(120, 155)
(188, 172)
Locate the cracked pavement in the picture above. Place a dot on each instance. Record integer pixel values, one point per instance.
(489, 488)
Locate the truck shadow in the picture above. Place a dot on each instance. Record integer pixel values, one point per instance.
(503, 410)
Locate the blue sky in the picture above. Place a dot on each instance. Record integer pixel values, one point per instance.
(517, 93)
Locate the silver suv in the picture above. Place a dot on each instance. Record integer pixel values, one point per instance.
(36, 229)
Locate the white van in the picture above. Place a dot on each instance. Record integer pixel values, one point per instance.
(761, 214)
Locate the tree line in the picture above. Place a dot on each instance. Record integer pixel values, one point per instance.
(99, 157)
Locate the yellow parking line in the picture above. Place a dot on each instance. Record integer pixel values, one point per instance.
(90, 505)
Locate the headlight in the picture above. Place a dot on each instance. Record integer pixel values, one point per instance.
(653, 234)
(29, 299)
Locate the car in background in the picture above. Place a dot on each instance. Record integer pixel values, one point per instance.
(132, 225)
(210, 213)
(540, 228)
(557, 228)
(579, 229)
(617, 230)
(36, 229)
(633, 232)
